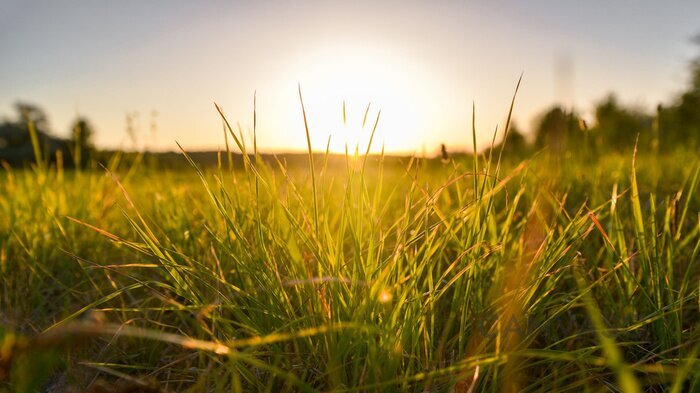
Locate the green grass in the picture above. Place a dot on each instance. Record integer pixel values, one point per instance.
(356, 273)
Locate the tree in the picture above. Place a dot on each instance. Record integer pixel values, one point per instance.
(557, 128)
(82, 141)
(28, 112)
(514, 144)
(618, 127)
(16, 145)
(680, 123)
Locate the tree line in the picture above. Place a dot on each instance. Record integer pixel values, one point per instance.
(616, 127)
(29, 135)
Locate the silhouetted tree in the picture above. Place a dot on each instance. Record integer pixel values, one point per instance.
(617, 127)
(680, 122)
(515, 143)
(15, 141)
(32, 113)
(557, 128)
(82, 141)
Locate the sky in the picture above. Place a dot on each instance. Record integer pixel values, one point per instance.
(421, 63)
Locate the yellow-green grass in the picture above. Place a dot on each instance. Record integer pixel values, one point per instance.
(356, 273)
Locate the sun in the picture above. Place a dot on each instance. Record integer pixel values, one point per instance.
(345, 87)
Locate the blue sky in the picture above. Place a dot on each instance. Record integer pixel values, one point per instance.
(421, 63)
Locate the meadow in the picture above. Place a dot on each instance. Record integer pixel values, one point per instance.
(476, 273)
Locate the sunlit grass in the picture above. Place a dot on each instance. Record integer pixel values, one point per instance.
(355, 273)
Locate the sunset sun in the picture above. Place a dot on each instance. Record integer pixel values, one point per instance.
(346, 85)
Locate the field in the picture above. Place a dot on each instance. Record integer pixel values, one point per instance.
(572, 272)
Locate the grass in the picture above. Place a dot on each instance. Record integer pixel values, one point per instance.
(356, 273)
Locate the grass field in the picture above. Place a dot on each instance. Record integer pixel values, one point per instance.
(368, 273)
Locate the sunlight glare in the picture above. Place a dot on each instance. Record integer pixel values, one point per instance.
(358, 76)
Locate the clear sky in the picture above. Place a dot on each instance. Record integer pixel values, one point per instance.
(422, 63)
